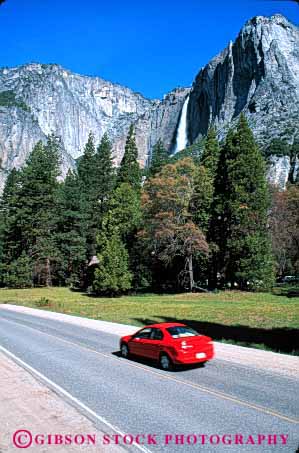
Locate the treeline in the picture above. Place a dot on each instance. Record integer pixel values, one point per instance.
(189, 223)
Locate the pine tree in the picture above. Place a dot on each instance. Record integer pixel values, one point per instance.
(19, 273)
(105, 177)
(204, 181)
(112, 276)
(201, 203)
(29, 204)
(117, 237)
(38, 213)
(86, 164)
(12, 239)
(96, 180)
(125, 211)
(87, 173)
(9, 203)
(211, 152)
(71, 238)
(159, 158)
(202, 197)
(239, 224)
(129, 170)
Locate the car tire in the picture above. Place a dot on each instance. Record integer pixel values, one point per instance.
(165, 362)
(124, 350)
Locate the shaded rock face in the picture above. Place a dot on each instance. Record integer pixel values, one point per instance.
(258, 75)
(48, 98)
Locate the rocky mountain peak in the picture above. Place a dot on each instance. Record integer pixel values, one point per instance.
(257, 74)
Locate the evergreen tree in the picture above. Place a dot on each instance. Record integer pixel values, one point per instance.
(112, 276)
(129, 170)
(125, 211)
(210, 155)
(239, 224)
(105, 177)
(29, 205)
(86, 164)
(71, 238)
(96, 180)
(9, 204)
(87, 173)
(202, 197)
(37, 214)
(12, 239)
(204, 181)
(201, 203)
(117, 237)
(19, 273)
(159, 158)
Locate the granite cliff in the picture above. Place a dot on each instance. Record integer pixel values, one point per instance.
(36, 100)
(258, 75)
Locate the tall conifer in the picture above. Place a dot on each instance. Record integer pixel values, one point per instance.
(105, 177)
(159, 158)
(129, 170)
(211, 151)
(239, 225)
(71, 238)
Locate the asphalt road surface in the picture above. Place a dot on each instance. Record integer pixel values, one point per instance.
(220, 399)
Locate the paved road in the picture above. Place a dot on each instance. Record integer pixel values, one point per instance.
(220, 399)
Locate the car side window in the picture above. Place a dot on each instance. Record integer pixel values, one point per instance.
(144, 333)
(156, 334)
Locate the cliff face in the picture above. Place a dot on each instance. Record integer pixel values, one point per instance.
(258, 75)
(36, 100)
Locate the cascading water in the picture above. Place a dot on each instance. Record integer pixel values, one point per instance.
(181, 137)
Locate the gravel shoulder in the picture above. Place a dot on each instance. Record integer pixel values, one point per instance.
(27, 404)
(265, 360)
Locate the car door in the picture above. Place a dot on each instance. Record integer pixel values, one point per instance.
(138, 344)
(154, 343)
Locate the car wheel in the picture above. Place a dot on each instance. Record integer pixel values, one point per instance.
(165, 362)
(124, 350)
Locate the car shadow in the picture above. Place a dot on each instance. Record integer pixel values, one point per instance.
(283, 340)
(154, 364)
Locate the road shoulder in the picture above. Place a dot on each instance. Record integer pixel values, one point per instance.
(27, 404)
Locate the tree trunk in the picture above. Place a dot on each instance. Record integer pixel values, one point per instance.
(212, 273)
(190, 270)
(48, 273)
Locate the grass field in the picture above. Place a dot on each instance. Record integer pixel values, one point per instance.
(261, 320)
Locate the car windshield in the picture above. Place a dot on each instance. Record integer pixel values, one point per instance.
(182, 331)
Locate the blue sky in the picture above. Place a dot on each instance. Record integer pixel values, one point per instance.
(151, 46)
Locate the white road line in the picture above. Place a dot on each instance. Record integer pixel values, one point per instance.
(68, 396)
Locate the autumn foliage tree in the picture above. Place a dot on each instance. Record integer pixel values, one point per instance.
(284, 227)
(169, 231)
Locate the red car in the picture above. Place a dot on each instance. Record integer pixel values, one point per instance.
(169, 344)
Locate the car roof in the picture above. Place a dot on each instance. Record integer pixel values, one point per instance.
(166, 324)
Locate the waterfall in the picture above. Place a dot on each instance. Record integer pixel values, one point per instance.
(181, 137)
